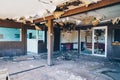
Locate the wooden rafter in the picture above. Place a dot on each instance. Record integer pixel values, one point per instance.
(100, 4)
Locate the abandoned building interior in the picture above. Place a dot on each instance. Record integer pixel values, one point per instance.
(60, 36)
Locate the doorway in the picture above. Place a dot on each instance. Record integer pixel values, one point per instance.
(99, 43)
(94, 41)
(36, 42)
(32, 41)
(86, 41)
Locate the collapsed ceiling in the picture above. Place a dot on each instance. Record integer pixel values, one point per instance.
(25, 11)
(37, 8)
(110, 13)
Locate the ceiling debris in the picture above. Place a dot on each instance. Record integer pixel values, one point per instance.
(88, 2)
(107, 14)
(41, 8)
(38, 8)
(58, 14)
(115, 20)
(71, 4)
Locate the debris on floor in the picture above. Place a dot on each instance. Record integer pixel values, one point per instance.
(67, 66)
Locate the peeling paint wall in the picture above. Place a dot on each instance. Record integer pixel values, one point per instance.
(69, 40)
(112, 50)
(69, 37)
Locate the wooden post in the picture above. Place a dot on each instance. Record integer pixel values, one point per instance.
(50, 42)
(79, 47)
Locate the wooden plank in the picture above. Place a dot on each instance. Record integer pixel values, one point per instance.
(100, 4)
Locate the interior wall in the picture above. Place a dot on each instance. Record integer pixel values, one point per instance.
(69, 40)
(56, 39)
(69, 37)
(112, 50)
(13, 48)
(83, 35)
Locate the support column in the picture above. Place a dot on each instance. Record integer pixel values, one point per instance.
(50, 42)
(79, 44)
(45, 39)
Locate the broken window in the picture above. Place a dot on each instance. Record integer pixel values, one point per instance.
(116, 37)
(10, 34)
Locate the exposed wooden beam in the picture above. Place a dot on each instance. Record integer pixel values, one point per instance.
(100, 4)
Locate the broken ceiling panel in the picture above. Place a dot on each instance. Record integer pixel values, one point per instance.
(36, 8)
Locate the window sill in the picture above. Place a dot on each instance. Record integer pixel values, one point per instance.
(116, 43)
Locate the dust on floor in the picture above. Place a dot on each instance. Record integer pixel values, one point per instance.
(66, 67)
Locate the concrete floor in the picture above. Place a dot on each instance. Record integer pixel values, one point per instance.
(66, 67)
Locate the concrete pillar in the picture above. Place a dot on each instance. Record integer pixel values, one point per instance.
(50, 42)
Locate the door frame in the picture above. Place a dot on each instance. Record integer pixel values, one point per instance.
(35, 41)
(80, 40)
(106, 32)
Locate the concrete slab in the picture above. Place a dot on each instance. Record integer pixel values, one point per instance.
(74, 68)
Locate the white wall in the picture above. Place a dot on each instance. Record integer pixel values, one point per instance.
(83, 35)
(69, 37)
